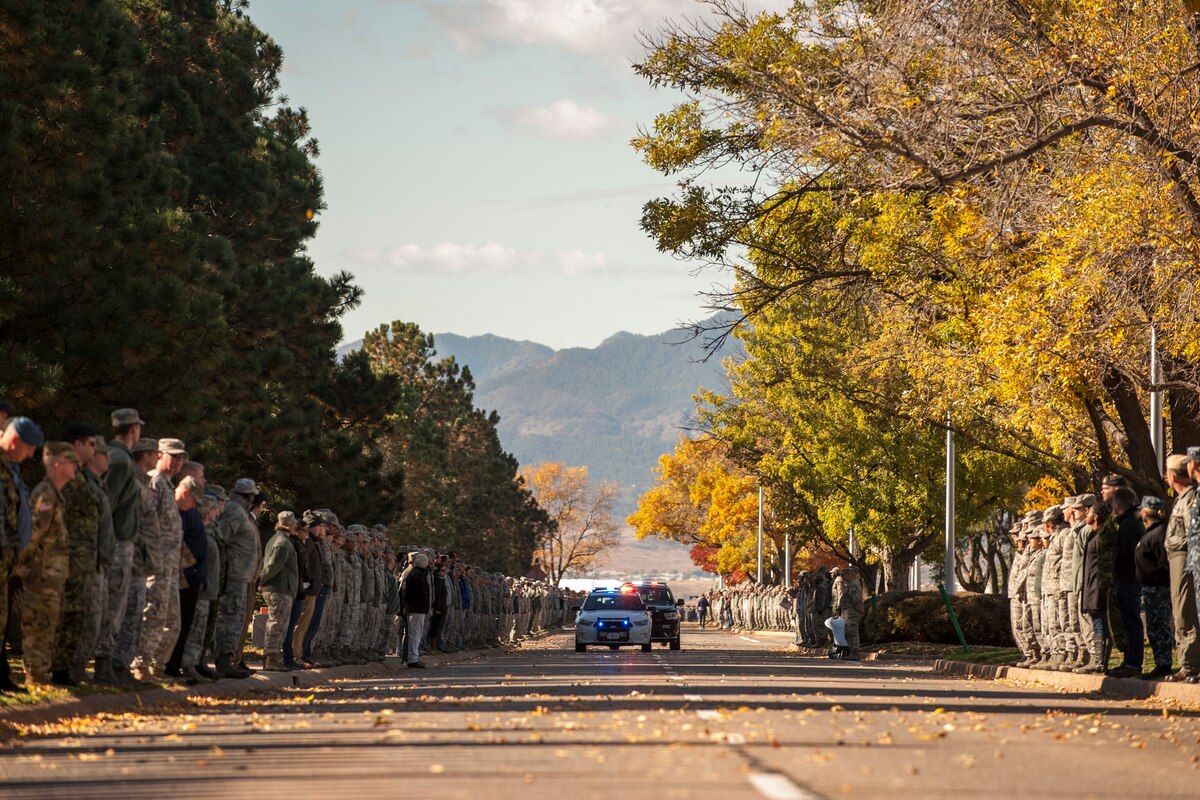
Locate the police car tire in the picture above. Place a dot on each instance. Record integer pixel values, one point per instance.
(614, 647)
(646, 647)
(675, 643)
(580, 647)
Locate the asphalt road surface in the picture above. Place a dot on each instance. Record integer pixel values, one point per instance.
(727, 717)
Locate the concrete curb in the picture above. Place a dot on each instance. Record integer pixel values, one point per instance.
(1069, 681)
(259, 682)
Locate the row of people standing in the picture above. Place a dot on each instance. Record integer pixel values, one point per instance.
(128, 559)
(1093, 574)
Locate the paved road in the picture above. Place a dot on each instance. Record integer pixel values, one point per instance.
(728, 717)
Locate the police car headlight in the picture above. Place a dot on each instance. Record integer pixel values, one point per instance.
(641, 622)
(670, 615)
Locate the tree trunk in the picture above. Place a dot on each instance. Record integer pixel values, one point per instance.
(1184, 407)
(897, 571)
(1136, 442)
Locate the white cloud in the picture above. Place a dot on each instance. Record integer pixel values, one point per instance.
(563, 120)
(595, 27)
(449, 258)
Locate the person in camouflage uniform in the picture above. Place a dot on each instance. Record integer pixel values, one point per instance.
(1076, 542)
(280, 580)
(1052, 634)
(160, 618)
(193, 668)
(240, 543)
(106, 545)
(124, 497)
(1017, 571)
(848, 604)
(82, 514)
(147, 561)
(45, 564)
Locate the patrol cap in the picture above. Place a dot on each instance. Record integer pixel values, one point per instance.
(1016, 528)
(101, 446)
(311, 517)
(61, 450)
(329, 517)
(1086, 501)
(28, 431)
(145, 445)
(213, 490)
(1193, 454)
(286, 521)
(1113, 479)
(357, 530)
(1152, 503)
(126, 416)
(245, 486)
(172, 447)
(1052, 514)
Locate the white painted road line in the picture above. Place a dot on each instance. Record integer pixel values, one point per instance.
(774, 786)
(693, 698)
(748, 639)
(708, 713)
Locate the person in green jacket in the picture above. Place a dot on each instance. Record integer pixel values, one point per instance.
(279, 579)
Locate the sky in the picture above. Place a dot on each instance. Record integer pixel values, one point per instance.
(476, 162)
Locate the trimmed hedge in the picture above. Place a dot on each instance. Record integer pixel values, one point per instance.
(922, 617)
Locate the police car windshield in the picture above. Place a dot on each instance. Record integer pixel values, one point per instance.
(628, 601)
(657, 596)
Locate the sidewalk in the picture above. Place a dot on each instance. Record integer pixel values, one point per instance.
(1069, 681)
(38, 713)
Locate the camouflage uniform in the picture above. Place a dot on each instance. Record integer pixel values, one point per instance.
(848, 602)
(194, 648)
(1016, 602)
(160, 623)
(240, 544)
(146, 561)
(1051, 624)
(93, 627)
(43, 565)
(82, 516)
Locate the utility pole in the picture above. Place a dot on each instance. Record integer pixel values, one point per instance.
(759, 575)
(787, 561)
(949, 507)
(1158, 433)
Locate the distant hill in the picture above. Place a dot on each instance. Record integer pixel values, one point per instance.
(614, 408)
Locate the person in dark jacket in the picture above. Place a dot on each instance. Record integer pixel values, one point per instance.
(441, 600)
(1093, 596)
(195, 576)
(1126, 589)
(1154, 574)
(415, 589)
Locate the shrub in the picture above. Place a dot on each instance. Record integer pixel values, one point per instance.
(922, 617)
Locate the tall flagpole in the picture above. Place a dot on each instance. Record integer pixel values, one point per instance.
(949, 580)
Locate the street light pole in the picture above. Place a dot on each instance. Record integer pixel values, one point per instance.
(787, 561)
(1158, 434)
(949, 579)
(759, 576)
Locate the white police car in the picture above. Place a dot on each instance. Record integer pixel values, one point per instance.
(613, 617)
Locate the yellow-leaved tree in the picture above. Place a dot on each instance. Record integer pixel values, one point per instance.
(582, 528)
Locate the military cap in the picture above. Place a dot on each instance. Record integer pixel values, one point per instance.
(286, 521)
(213, 490)
(1053, 514)
(61, 450)
(28, 431)
(101, 445)
(1152, 503)
(311, 517)
(126, 416)
(329, 517)
(1086, 501)
(172, 447)
(191, 486)
(1193, 454)
(1112, 479)
(145, 445)
(357, 530)
(1068, 502)
(1016, 528)
(245, 486)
